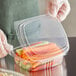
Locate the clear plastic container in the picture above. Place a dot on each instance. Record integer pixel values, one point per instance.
(4, 72)
(41, 30)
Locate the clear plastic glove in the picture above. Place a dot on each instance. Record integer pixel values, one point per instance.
(59, 9)
(5, 48)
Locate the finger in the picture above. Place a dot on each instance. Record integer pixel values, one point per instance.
(2, 36)
(3, 40)
(2, 50)
(53, 7)
(7, 47)
(63, 11)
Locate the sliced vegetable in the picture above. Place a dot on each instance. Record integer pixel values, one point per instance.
(19, 51)
(39, 44)
(50, 47)
(36, 53)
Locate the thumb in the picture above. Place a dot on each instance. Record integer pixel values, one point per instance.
(8, 47)
(53, 9)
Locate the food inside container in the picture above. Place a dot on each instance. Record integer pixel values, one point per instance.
(4, 72)
(42, 41)
(36, 55)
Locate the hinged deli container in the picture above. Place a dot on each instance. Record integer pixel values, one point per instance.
(42, 41)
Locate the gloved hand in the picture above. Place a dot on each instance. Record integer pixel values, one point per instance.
(5, 48)
(59, 9)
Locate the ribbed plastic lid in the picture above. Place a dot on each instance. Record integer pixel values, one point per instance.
(42, 28)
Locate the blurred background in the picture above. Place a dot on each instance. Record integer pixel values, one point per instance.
(70, 22)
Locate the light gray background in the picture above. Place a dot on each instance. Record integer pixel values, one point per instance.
(69, 23)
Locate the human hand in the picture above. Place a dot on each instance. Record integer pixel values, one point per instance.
(59, 9)
(5, 48)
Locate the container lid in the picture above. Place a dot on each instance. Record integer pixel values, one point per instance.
(41, 28)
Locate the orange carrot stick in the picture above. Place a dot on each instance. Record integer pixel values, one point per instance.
(40, 49)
